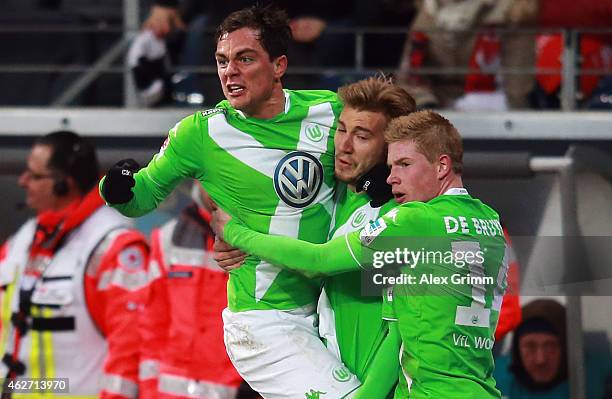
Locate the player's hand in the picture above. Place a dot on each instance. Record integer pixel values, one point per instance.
(228, 258)
(219, 220)
(163, 20)
(117, 188)
(374, 183)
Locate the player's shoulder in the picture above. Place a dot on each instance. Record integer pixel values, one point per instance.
(405, 217)
(195, 121)
(312, 97)
(389, 205)
(465, 203)
(487, 209)
(408, 211)
(201, 115)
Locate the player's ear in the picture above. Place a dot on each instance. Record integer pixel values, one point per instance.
(444, 166)
(280, 66)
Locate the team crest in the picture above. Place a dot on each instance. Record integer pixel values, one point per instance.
(358, 219)
(341, 374)
(314, 132)
(297, 179)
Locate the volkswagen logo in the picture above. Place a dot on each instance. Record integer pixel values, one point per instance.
(297, 179)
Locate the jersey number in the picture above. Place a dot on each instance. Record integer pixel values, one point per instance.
(477, 314)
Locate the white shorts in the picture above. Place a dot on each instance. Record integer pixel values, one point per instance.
(281, 356)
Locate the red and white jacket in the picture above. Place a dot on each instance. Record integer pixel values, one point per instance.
(83, 306)
(510, 315)
(183, 354)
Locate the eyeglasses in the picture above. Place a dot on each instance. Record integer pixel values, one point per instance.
(37, 176)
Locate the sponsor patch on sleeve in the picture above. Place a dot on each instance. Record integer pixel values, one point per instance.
(172, 132)
(164, 146)
(371, 231)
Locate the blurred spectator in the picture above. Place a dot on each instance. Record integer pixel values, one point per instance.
(538, 364)
(71, 278)
(188, 27)
(182, 350)
(43, 32)
(595, 52)
(454, 47)
(194, 47)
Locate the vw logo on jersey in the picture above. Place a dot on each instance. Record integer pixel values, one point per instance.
(297, 179)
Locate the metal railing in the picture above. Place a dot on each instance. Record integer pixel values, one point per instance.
(131, 24)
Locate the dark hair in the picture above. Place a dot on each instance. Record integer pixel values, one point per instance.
(272, 24)
(72, 156)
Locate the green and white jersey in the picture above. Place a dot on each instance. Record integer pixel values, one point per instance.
(446, 311)
(353, 323)
(446, 299)
(275, 175)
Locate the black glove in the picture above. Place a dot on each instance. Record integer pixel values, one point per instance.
(374, 183)
(117, 188)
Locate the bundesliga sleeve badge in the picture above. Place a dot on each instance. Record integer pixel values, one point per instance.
(371, 231)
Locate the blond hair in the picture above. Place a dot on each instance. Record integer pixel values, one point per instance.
(377, 94)
(433, 135)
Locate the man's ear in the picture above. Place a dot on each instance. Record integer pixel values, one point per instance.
(444, 167)
(73, 185)
(280, 66)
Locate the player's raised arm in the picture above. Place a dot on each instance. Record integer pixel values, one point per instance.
(340, 255)
(136, 192)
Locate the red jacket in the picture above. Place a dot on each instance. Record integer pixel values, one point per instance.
(510, 315)
(84, 301)
(181, 326)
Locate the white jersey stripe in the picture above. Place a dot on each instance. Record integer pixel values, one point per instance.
(314, 134)
(243, 147)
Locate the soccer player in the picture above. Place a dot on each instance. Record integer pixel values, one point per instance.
(447, 328)
(266, 154)
(350, 322)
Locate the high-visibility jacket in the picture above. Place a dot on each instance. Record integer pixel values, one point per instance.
(183, 354)
(510, 315)
(82, 310)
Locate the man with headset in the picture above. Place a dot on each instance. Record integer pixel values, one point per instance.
(71, 279)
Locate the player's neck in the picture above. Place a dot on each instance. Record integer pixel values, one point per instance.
(453, 181)
(272, 106)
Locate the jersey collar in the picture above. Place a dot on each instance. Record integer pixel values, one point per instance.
(287, 105)
(287, 101)
(456, 191)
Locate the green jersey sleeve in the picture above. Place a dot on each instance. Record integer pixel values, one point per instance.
(388, 313)
(179, 157)
(312, 260)
(407, 220)
(340, 255)
(385, 368)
